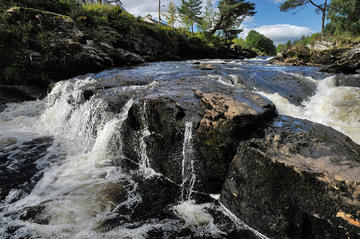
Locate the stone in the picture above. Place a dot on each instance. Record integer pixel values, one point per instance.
(349, 80)
(296, 180)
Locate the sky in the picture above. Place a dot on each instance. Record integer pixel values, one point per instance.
(269, 20)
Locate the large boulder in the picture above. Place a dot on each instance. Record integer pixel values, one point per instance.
(220, 116)
(297, 180)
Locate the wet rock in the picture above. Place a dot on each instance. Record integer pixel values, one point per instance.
(206, 67)
(18, 93)
(297, 180)
(220, 117)
(352, 80)
(342, 67)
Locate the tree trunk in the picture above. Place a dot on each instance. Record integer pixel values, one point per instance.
(323, 16)
(159, 13)
(192, 27)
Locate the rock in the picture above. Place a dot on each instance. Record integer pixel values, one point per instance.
(248, 53)
(321, 45)
(351, 80)
(220, 116)
(297, 180)
(206, 67)
(12, 94)
(342, 67)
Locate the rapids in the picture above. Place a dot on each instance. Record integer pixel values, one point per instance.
(62, 150)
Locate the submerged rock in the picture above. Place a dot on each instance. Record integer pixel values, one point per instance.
(298, 180)
(351, 81)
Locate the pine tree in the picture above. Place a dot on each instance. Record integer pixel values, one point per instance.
(190, 12)
(171, 15)
(232, 14)
(208, 17)
(293, 4)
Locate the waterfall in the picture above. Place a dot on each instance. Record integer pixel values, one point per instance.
(334, 106)
(80, 190)
(188, 171)
(144, 165)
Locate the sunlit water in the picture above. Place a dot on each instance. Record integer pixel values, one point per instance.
(77, 185)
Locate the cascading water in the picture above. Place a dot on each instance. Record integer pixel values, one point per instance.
(144, 164)
(188, 171)
(79, 187)
(75, 194)
(334, 106)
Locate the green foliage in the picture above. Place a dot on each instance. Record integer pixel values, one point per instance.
(208, 18)
(171, 15)
(260, 42)
(344, 17)
(64, 7)
(190, 11)
(231, 15)
(240, 41)
(320, 7)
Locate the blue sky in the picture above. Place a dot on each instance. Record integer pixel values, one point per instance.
(269, 20)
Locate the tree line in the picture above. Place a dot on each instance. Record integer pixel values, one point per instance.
(343, 15)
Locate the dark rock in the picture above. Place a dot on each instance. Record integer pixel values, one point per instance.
(298, 180)
(352, 80)
(342, 67)
(18, 93)
(248, 53)
(220, 117)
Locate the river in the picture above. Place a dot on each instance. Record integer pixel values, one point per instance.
(60, 176)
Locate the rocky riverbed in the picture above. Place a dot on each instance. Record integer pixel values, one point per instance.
(170, 150)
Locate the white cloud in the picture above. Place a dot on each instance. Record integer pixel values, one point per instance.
(280, 33)
(144, 7)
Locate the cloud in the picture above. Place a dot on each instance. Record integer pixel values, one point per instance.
(144, 7)
(280, 33)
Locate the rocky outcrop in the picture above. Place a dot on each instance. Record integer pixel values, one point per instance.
(333, 59)
(220, 115)
(54, 47)
(349, 63)
(298, 180)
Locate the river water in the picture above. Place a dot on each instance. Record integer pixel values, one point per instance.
(57, 170)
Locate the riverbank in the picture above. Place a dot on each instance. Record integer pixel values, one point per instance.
(40, 47)
(335, 54)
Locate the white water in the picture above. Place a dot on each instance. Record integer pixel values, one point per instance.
(81, 191)
(194, 215)
(337, 107)
(188, 171)
(144, 165)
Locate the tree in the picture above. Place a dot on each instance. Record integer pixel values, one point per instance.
(190, 12)
(231, 14)
(208, 17)
(344, 16)
(171, 14)
(293, 4)
(260, 42)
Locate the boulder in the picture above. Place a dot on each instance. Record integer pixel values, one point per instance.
(296, 180)
(220, 117)
(349, 80)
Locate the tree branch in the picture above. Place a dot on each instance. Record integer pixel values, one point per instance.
(318, 6)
